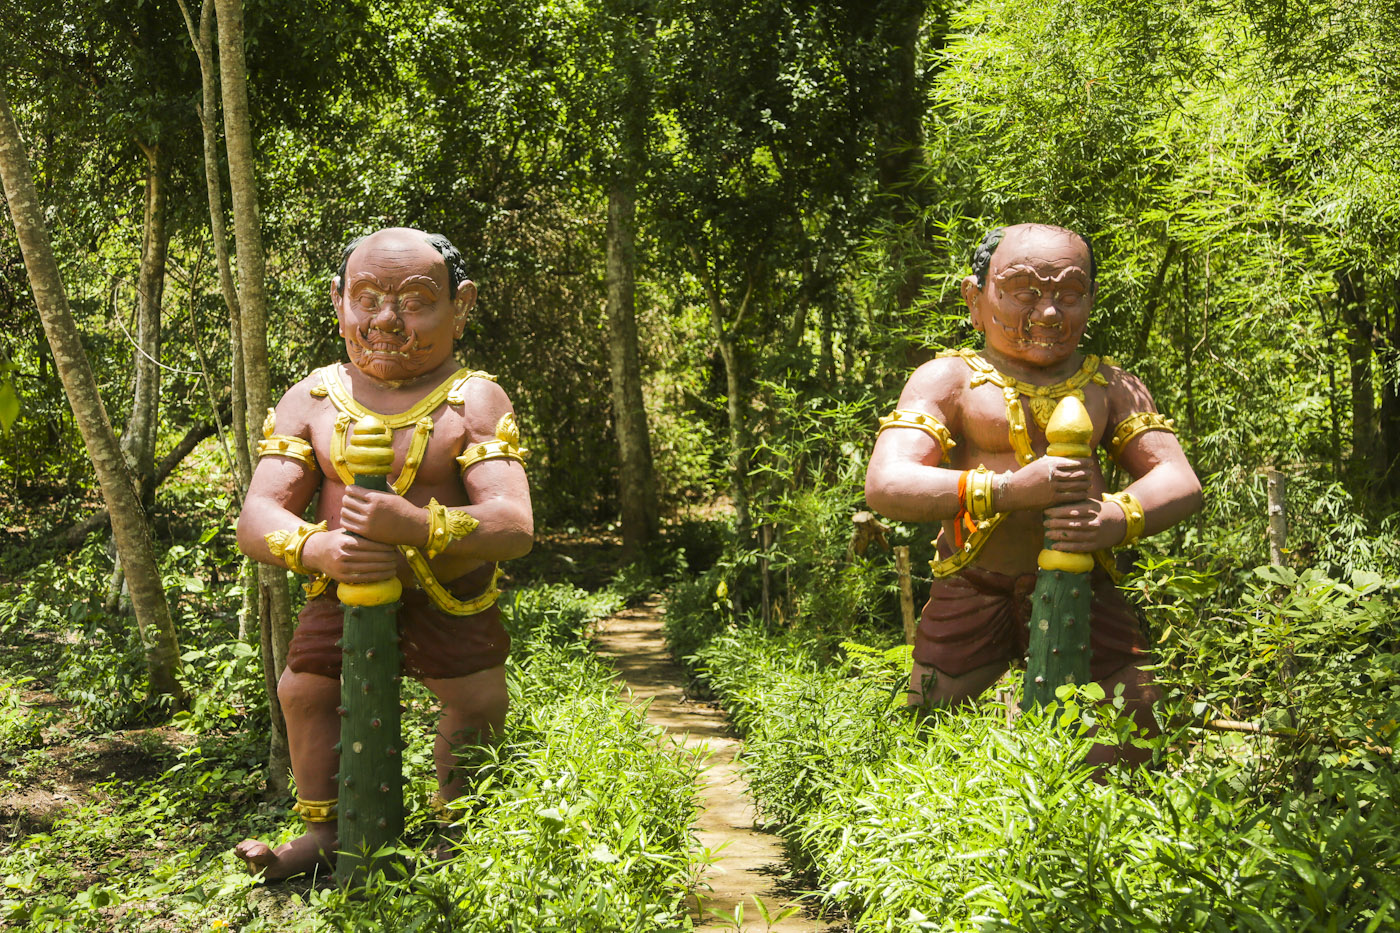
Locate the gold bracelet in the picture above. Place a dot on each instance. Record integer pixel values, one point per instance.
(978, 501)
(445, 526)
(317, 811)
(288, 545)
(1132, 511)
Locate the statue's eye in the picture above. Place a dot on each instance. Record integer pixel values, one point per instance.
(1070, 298)
(1027, 295)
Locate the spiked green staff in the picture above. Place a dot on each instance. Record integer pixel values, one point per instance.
(1059, 643)
(371, 776)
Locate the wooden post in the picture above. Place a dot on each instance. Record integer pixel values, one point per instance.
(1278, 517)
(765, 540)
(906, 592)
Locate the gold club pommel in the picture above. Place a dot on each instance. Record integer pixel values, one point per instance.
(370, 451)
(1069, 430)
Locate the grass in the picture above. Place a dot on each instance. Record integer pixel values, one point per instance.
(574, 822)
(962, 823)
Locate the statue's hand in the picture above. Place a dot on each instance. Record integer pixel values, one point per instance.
(1042, 483)
(1084, 526)
(383, 516)
(348, 559)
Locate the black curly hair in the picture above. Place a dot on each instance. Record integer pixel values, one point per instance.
(982, 255)
(456, 265)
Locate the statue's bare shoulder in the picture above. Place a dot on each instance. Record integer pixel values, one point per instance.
(484, 404)
(936, 389)
(1127, 395)
(298, 409)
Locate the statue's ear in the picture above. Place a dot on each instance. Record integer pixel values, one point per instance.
(336, 300)
(972, 297)
(463, 303)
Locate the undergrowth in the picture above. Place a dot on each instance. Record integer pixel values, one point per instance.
(965, 823)
(574, 822)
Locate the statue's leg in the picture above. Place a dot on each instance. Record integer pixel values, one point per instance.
(930, 687)
(473, 713)
(309, 704)
(1139, 693)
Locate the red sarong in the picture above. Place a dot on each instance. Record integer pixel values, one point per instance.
(977, 617)
(434, 644)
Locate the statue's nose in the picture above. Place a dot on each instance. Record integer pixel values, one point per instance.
(387, 317)
(1047, 312)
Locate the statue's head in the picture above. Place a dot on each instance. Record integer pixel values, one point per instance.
(1031, 292)
(401, 297)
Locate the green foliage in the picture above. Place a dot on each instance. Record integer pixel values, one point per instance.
(961, 823)
(573, 823)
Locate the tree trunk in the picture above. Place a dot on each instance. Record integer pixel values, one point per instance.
(138, 441)
(129, 526)
(1390, 395)
(275, 619)
(1351, 302)
(203, 42)
(738, 449)
(728, 347)
(900, 144)
(638, 478)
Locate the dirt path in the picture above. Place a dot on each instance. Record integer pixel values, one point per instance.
(751, 862)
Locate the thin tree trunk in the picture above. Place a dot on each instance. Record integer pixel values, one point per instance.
(203, 42)
(1390, 395)
(1150, 306)
(1278, 515)
(900, 145)
(638, 478)
(275, 620)
(138, 441)
(733, 379)
(252, 296)
(1351, 301)
(129, 526)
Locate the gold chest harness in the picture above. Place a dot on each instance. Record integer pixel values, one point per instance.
(1042, 401)
(506, 445)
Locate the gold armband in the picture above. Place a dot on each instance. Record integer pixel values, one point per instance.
(284, 445)
(1133, 425)
(977, 496)
(288, 545)
(505, 447)
(904, 418)
(1132, 511)
(317, 811)
(445, 526)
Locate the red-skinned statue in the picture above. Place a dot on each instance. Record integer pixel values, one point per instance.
(966, 447)
(460, 504)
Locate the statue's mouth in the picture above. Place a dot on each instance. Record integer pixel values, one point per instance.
(1050, 337)
(378, 352)
(1041, 336)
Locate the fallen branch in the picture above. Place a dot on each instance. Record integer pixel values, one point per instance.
(1235, 725)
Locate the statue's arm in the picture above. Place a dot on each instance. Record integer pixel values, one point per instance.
(496, 486)
(904, 479)
(282, 485)
(1163, 480)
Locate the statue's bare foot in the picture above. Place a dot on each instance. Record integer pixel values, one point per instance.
(301, 855)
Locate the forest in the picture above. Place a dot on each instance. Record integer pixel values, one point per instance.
(711, 241)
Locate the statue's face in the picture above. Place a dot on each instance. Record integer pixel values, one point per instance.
(1038, 296)
(394, 307)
